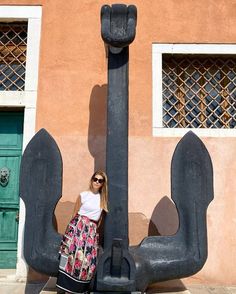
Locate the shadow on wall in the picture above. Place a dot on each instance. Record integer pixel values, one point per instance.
(164, 220)
(63, 211)
(98, 126)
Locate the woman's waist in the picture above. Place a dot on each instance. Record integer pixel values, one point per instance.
(88, 218)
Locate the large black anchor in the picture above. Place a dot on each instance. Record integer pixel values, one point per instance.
(121, 268)
(116, 268)
(157, 258)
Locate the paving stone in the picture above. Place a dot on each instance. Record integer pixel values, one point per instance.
(20, 288)
(12, 288)
(174, 292)
(9, 287)
(232, 290)
(198, 289)
(217, 290)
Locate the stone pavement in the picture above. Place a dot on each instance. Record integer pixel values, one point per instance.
(8, 285)
(200, 289)
(22, 288)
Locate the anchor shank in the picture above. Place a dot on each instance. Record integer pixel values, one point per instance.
(116, 225)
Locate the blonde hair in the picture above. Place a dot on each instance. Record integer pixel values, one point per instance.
(103, 190)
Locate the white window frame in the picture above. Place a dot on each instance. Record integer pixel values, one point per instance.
(26, 99)
(157, 51)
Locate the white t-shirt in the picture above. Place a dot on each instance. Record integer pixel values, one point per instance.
(90, 205)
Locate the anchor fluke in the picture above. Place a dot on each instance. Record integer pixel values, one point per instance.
(41, 189)
(183, 254)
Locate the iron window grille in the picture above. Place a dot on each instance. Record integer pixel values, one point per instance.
(13, 45)
(199, 91)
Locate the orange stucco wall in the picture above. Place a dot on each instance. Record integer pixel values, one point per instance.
(71, 106)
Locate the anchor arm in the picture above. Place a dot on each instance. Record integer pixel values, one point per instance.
(184, 253)
(41, 189)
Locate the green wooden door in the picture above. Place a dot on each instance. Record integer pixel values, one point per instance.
(11, 131)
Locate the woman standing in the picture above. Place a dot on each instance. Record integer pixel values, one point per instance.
(79, 246)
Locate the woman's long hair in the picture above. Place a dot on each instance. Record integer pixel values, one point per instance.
(103, 190)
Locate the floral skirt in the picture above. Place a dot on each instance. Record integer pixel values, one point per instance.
(78, 255)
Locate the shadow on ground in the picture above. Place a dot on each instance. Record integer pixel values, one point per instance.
(166, 287)
(34, 288)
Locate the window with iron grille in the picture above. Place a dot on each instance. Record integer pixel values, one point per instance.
(199, 91)
(13, 43)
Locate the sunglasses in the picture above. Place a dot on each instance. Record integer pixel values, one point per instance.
(100, 181)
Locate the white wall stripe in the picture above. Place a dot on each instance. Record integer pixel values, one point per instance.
(20, 12)
(26, 99)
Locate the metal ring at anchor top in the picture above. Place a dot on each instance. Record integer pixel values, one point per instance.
(118, 24)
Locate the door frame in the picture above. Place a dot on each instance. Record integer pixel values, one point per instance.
(25, 100)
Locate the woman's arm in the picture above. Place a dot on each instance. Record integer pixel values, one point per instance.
(101, 218)
(77, 206)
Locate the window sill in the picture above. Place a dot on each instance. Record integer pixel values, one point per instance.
(180, 132)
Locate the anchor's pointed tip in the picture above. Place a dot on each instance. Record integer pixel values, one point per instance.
(42, 139)
(192, 137)
(190, 134)
(42, 131)
(191, 143)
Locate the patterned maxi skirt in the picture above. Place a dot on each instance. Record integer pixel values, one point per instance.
(78, 255)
